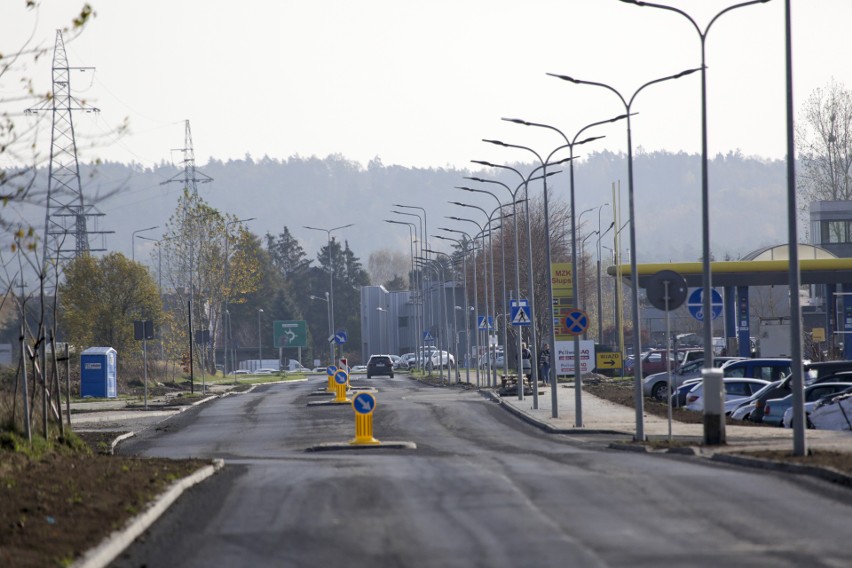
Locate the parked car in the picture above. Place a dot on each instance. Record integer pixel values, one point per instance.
(656, 360)
(679, 396)
(734, 387)
(776, 407)
(357, 369)
(266, 371)
(787, 421)
(398, 363)
(817, 370)
(497, 359)
(239, 372)
(379, 365)
(768, 369)
(409, 359)
(757, 402)
(833, 413)
(656, 385)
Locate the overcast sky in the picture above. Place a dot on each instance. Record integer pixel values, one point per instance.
(420, 83)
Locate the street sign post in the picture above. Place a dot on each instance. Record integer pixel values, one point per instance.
(290, 333)
(695, 304)
(520, 312)
(576, 322)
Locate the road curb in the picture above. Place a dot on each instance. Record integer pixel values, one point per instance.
(824, 473)
(543, 425)
(113, 545)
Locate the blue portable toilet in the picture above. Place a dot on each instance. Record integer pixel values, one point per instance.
(97, 372)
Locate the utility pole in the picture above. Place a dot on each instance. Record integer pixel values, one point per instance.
(66, 232)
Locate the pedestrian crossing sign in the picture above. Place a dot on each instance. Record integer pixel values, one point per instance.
(520, 312)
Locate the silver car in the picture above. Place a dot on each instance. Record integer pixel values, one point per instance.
(655, 385)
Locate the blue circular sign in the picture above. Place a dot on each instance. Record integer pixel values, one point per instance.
(695, 303)
(341, 377)
(364, 403)
(330, 370)
(576, 322)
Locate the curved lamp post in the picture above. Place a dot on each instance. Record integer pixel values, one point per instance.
(133, 241)
(463, 249)
(328, 232)
(475, 307)
(543, 162)
(412, 233)
(716, 437)
(492, 369)
(571, 143)
(634, 280)
(228, 291)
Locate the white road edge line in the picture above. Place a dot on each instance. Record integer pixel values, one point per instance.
(113, 545)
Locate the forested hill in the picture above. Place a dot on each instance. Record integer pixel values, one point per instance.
(747, 198)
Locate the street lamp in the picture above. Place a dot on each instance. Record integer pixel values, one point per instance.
(228, 286)
(330, 323)
(571, 143)
(463, 248)
(412, 233)
(718, 436)
(634, 277)
(259, 343)
(543, 162)
(475, 307)
(330, 278)
(133, 241)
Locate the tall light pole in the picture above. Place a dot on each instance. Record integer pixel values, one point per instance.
(383, 336)
(463, 248)
(718, 435)
(525, 181)
(544, 162)
(570, 143)
(133, 241)
(423, 320)
(330, 323)
(503, 269)
(259, 342)
(328, 232)
(228, 286)
(598, 250)
(634, 277)
(412, 233)
(475, 308)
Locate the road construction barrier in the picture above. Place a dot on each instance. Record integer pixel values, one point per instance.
(341, 381)
(329, 371)
(364, 404)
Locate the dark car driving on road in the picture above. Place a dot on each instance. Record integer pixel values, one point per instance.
(379, 365)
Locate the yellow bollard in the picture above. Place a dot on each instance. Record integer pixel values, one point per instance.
(363, 404)
(341, 380)
(330, 370)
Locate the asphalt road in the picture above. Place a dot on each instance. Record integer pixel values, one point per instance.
(481, 489)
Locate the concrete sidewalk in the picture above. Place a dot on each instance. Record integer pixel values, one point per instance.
(600, 415)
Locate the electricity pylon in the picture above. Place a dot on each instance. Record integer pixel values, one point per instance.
(190, 177)
(66, 231)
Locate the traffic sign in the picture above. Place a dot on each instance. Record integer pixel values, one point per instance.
(520, 312)
(330, 370)
(483, 324)
(364, 403)
(340, 377)
(666, 290)
(695, 303)
(576, 322)
(290, 333)
(427, 336)
(341, 336)
(608, 360)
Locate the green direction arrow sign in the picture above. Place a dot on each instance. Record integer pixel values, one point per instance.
(290, 333)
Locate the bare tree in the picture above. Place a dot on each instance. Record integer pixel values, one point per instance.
(825, 145)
